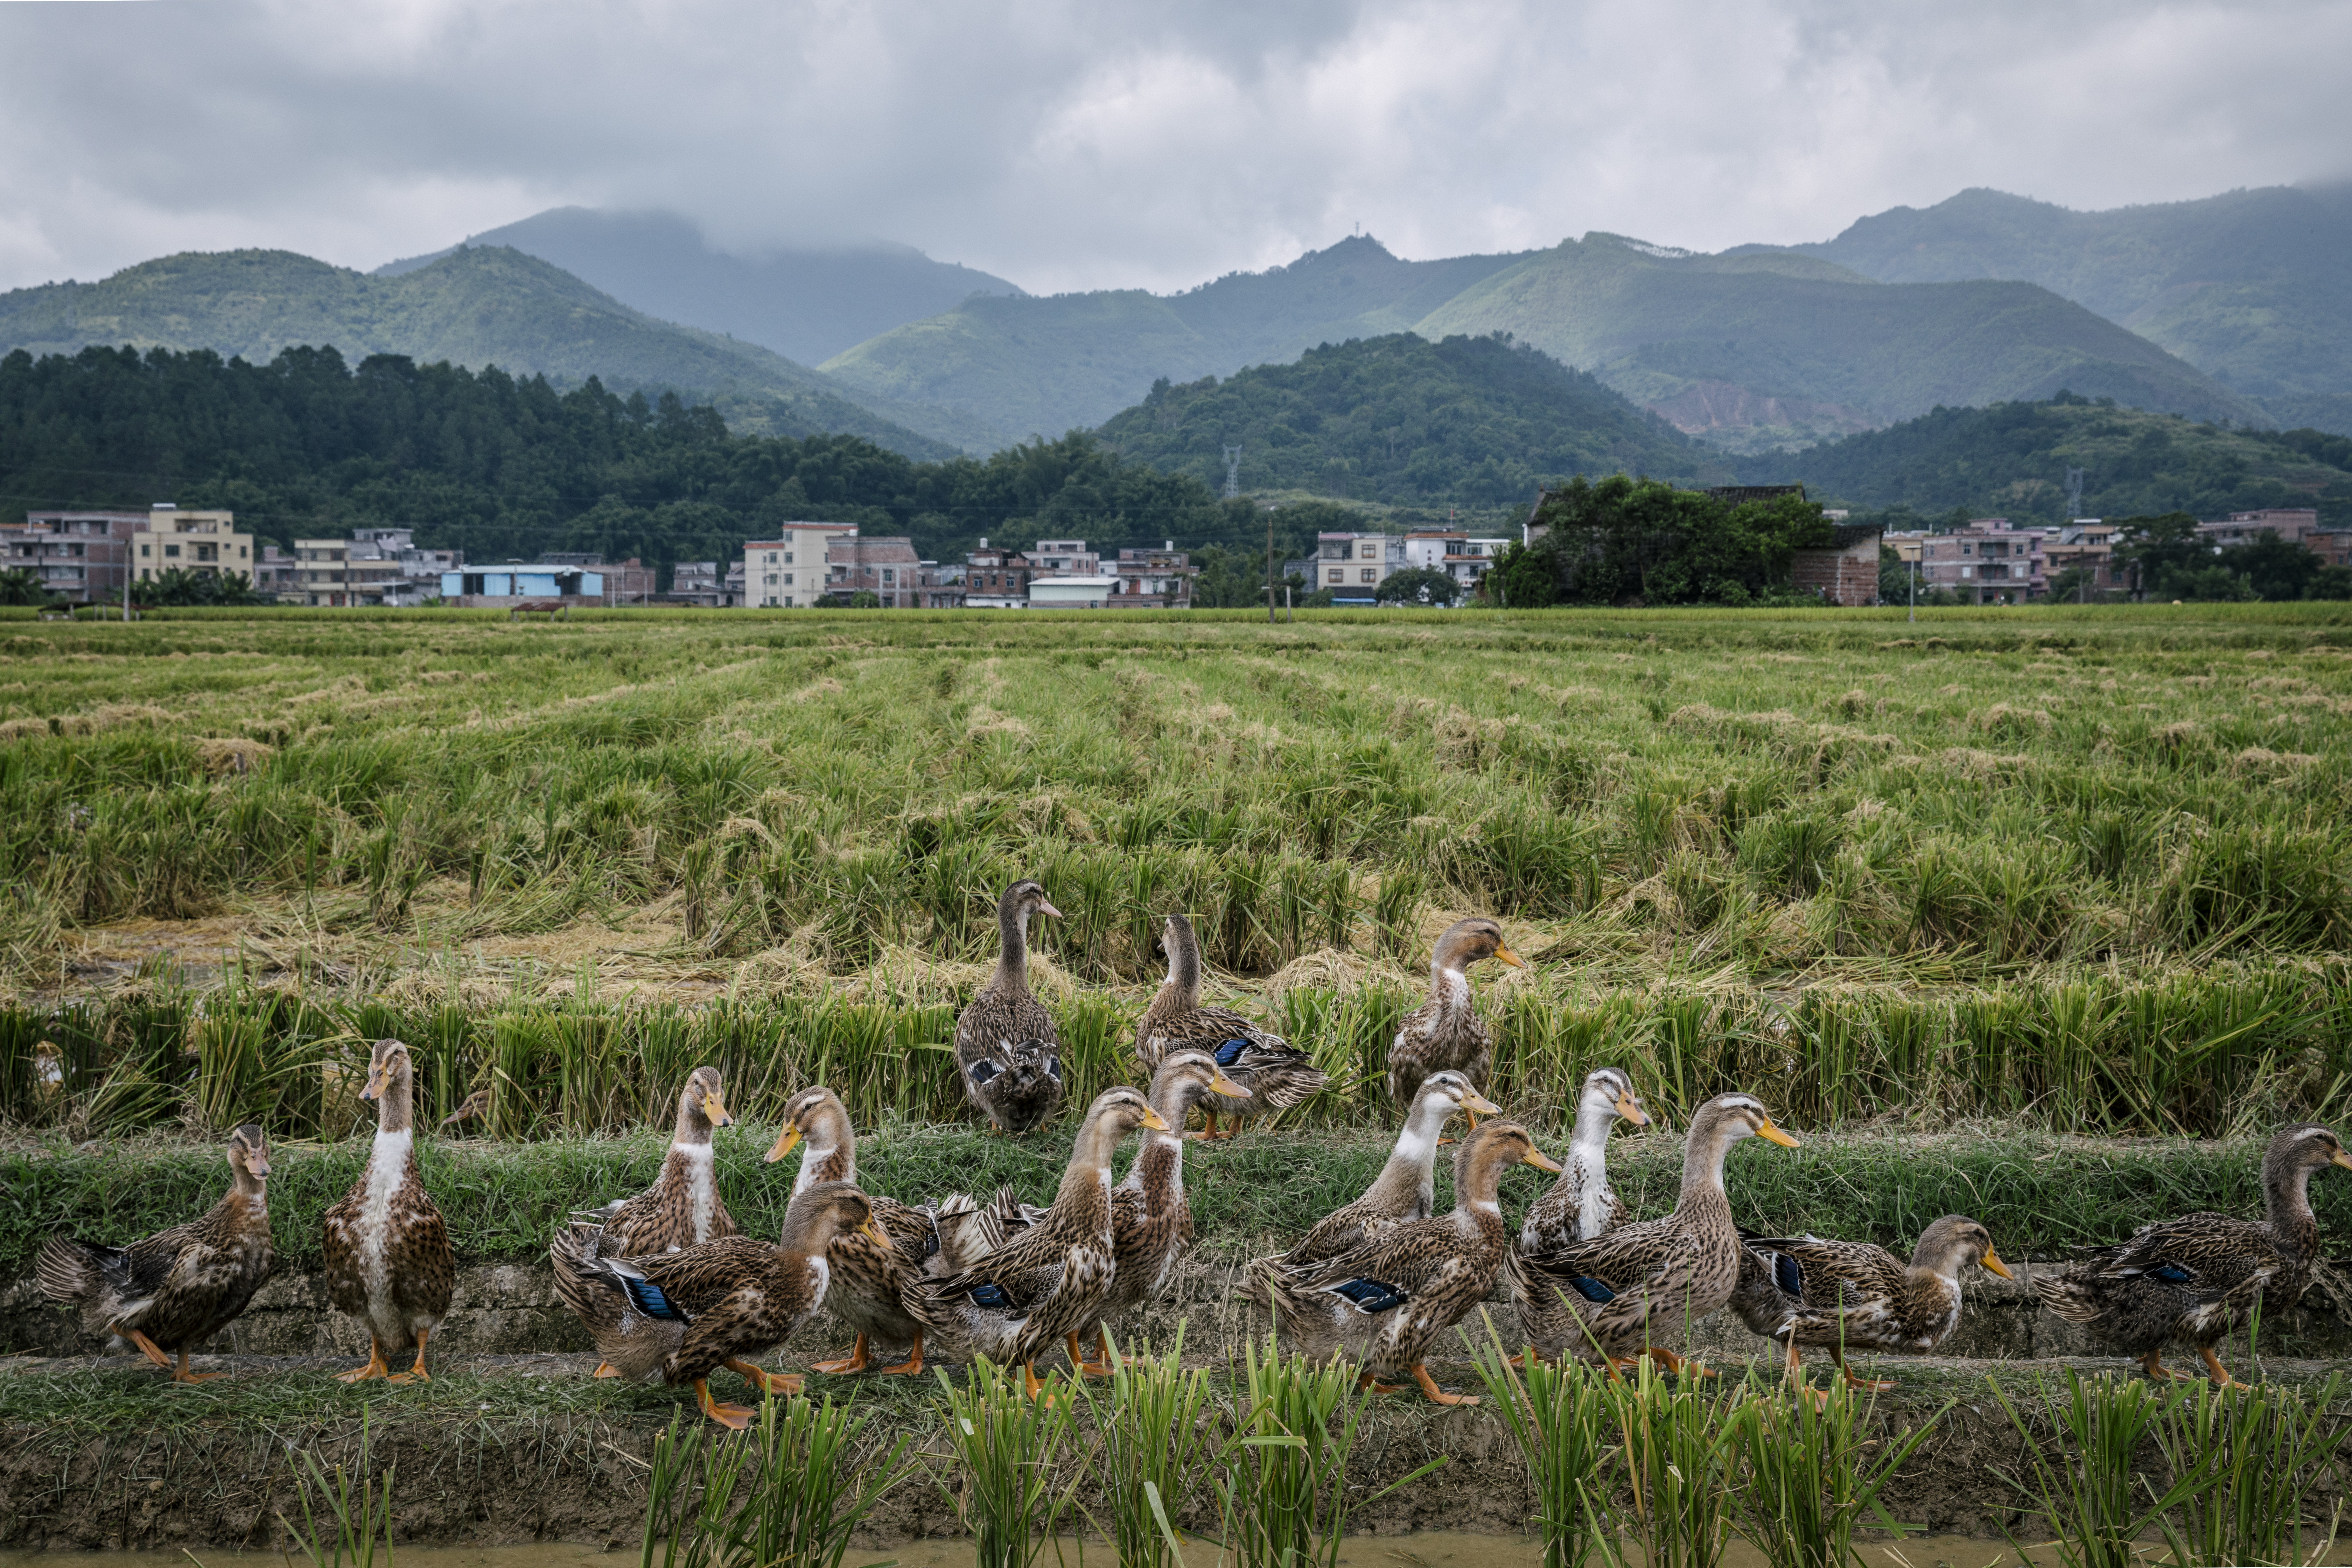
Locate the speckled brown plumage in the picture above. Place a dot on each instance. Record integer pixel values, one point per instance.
(682, 1208)
(1050, 1281)
(685, 1314)
(1445, 1031)
(1405, 1191)
(388, 1261)
(1387, 1301)
(1008, 1050)
(1615, 1294)
(171, 1291)
(874, 1285)
(1581, 1205)
(1271, 1071)
(1855, 1296)
(2197, 1279)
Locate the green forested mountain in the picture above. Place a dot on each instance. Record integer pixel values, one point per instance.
(806, 304)
(2253, 287)
(501, 467)
(2010, 459)
(475, 307)
(1751, 351)
(1401, 419)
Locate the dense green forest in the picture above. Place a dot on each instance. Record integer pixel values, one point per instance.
(2010, 460)
(503, 467)
(1642, 541)
(1401, 419)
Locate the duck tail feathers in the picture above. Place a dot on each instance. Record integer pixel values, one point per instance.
(73, 1271)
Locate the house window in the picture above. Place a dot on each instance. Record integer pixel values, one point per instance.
(888, 575)
(788, 578)
(1338, 575)
(772, 558)
(1368, 573)
(788, 557)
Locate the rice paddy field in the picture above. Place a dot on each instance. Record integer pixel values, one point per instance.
(2042, 914)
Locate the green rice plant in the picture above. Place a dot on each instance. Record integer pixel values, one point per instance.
(2091, 1492)
(1159, 1446)
(1809, 1473)
(357, 1501)
(1396, 915)
(1559, 1415)
(1284, 1501)
(1680, 1446)
(1007, 1447)
(2267, 1451)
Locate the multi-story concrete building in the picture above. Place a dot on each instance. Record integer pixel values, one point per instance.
(1349, 566)
(2087, 543)
(1063, 555)
(1454, 553)
(887, 568)
(996, 578)
(2294, 525)
(342, 573)
(939, 587)
(79, 556)
(1154, 579)
(204, 543)
(699, 584)
(1985, 563)
(791, 571)
(1842, 571)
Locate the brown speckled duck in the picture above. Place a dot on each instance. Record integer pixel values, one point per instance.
(388, 1260)
(683, 1207)
(1581, 1205)
(1051, 1280)
(1445, 1031)
(1405, 1191)
(1855, 1296)
(1608, 1297)
(686, 1314)
(177, 1287)
(874, 1285)
(1387, 1301)
(2198, 1277)
(1271, 1072)
(1007, 1049)
(1151, 1223)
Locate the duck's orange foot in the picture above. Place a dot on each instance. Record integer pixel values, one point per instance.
(606, 1368)
(375, 1367)
(734, 1417)
(1368, 1382)
(766, 1382)
(853, 1362)
(1437, 1395)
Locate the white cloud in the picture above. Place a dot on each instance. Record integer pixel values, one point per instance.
(1072, 146)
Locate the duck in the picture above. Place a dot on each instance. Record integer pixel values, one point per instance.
(683, 1207)
(1387, 1300)
(873, 1287)
(174, 1289)
(1405, 1191)
(2196, 1279)
(1855, 1295)
(1445, 1031)
(1581, 1205)
(388, 1258)
(1608, 1297)
(683, 1315)
(1008, 1052)
(1151, 1223)
(1271, 1071)
(1054, 1277)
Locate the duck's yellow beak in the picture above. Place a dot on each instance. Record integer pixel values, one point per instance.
(1221, 1084)
(874, 1233)
(1773, 1133)
(786, 1142)
(1631, 1109)
(1541, 1161)
(2342, 1158)
(379, 1080)
(1154, 1120)
(716, 1110)
(1993, 1261)
(1513, 959)
(1478, 1102)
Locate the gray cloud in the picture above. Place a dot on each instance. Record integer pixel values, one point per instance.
(1071, 145)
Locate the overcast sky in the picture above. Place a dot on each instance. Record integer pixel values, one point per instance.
(1095, 144)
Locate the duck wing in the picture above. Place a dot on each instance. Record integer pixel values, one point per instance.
(2209, 1254)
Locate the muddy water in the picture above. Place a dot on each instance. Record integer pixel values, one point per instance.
(1424, 1549)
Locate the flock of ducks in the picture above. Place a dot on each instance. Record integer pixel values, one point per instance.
(667, 1288)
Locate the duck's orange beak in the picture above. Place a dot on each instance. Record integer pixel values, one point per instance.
(1631, 1109)
(1154, 1120)
(875, 1233)
(1221, 1084)
(1478, 1102)
(379, 1080)
(1993, 1261)
(2342, 1158)
(786, 1142)
(716, 1110)
(1541, 1161)
(1513, 959)
(1774, 1134)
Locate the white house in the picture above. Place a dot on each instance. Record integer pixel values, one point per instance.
(789, 570)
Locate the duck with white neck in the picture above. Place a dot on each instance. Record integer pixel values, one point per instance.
(388, 1258)
(1581, 1205)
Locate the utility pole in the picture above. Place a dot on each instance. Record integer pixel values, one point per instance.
(1913, 564)
(1269, 562)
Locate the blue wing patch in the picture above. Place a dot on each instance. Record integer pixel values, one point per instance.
(1592, 1290)
(1788, 1275)
(991, 1297)
(1231, 1052)
(2171, 1273)
(648, 1298)
(1369, 1295)
(982, 1070)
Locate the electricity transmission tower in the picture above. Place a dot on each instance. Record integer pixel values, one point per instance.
(2073, 494)
(1232, 473)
